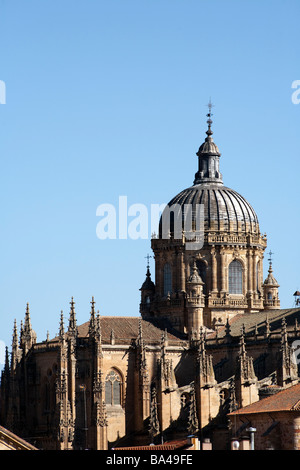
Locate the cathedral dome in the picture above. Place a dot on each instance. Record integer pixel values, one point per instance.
(223, 208)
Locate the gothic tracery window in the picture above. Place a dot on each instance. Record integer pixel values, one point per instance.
(113, 385)
(235, 277)
(167, 279)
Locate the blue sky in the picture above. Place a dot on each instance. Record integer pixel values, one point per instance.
(107, 99)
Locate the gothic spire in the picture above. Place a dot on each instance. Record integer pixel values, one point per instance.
(28, 335)
(112, 337)
(245, 370)
(98, 327)
(227, 328)
(15, 336)
(242, 342)
(27, 323)
(6, 364)
(61, 325)
(72, 319)
(193, 424)
(267, 326)
(92, 325)
(154, 422)
(284, 336)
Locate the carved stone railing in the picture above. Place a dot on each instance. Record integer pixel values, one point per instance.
(227, 303)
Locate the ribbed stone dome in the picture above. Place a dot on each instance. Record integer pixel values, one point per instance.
(224, 208)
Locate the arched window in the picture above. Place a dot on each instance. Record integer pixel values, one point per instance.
(113, 388)
(167, 279)
(235, 277)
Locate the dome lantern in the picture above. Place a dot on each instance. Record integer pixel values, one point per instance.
(208, 157)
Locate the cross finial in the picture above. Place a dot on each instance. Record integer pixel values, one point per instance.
(148, 257)
(209, 115)
(270, 256)
(210, 106)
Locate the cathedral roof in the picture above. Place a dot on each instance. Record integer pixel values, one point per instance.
(257, 320)
(126, 329)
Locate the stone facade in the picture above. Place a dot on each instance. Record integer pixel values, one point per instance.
(115, 381)
(211, 339)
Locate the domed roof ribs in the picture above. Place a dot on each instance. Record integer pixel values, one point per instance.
(218, 210)
(252, 216)
(229, 206)
(235, 210)
(247, 208)
(220, 193)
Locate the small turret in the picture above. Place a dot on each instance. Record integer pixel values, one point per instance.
(147, 292)
(270, 289)
(194, 301)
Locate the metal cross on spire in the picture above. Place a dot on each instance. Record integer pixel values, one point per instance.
(270, 256)
(148, 257)
(209, 115)
(210, 106)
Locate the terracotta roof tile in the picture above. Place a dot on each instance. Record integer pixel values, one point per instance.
(285, 400)
(126, 329)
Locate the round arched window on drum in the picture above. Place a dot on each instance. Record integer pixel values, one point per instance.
(235, 277)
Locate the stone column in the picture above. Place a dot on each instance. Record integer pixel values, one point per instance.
(254, 276)
(214, 270)
(249, 269)
(182, 274)
(222, 273)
